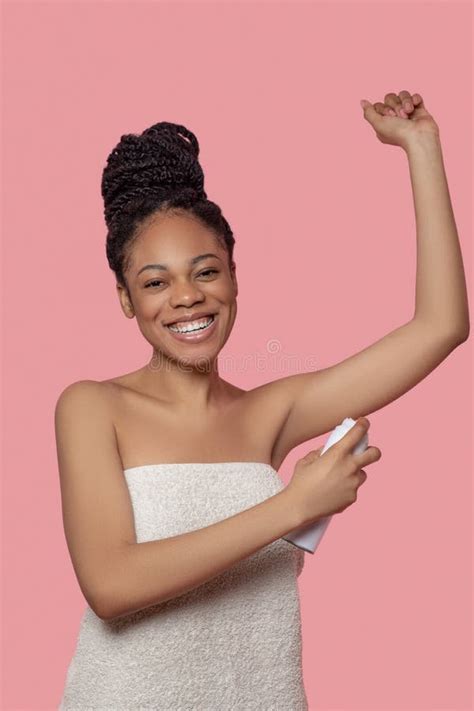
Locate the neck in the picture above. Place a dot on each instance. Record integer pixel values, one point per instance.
(197, 386)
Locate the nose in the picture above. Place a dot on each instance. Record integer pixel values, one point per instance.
(185, 294)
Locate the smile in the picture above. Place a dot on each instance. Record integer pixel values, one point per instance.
(191, 326)
(194, 331)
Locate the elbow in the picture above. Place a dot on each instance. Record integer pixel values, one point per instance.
(105, 600)
(462, 333)
(105, 611)
(107, 605)
(461, 336)
(466, 334)
(105, 615)
(109, 594)
(115, 602)
(100, 606)
(454, 337)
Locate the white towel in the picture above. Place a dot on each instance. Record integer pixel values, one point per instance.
(233, 643)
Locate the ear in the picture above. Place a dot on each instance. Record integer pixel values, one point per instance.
(125, 301)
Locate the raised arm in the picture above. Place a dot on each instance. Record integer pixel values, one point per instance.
(116, 574)
(441, 294)
(375, 376)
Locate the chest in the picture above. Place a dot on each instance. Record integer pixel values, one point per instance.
(154, 433)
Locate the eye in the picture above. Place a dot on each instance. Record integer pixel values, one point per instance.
(158, 281)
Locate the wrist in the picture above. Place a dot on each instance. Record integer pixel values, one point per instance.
(295, 517)
(423, 142)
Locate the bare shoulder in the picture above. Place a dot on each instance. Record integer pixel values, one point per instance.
(83, 403)
(83, 411)
(81, 386)
(83, 394)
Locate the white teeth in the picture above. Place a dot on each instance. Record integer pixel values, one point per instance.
(192, 326)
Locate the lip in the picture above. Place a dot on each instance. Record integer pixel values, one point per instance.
(196, 337)
(193, 317)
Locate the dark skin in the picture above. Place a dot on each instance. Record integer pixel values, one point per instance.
(177, 369)
(177, 407)
(220, 419)
(183, 411)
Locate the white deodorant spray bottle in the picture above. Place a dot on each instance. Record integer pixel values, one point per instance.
(308, 537)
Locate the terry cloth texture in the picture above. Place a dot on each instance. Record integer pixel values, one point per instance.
(232, 643)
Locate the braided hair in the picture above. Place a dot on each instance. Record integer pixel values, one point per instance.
(157, 170)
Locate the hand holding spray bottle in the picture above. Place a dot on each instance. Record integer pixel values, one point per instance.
(308, 537)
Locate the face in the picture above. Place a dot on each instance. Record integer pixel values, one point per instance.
(178, 268)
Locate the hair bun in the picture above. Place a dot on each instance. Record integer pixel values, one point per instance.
(160, 162)
(174, 132)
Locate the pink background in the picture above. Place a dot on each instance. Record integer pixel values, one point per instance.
(325, 248)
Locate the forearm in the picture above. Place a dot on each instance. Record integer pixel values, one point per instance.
(441, 295)
(148, 573)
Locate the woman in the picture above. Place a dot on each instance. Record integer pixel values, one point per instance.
(173, 509)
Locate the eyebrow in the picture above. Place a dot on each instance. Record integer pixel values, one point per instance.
(164, 267)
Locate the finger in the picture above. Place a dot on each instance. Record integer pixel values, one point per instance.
(394, 101)
(353, 436)
(372, 116)
(382, 109)
(313, 454)
(368, 456)
(406, 101)
(420, 109)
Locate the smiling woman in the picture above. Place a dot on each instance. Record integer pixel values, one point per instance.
(162, 210)
(173, 513)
